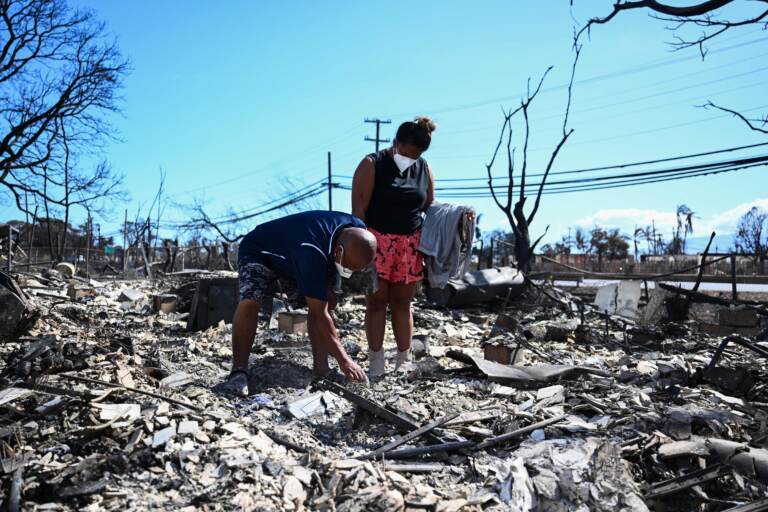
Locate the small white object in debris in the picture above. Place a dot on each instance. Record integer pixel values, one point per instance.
(551, 392)
(574, 423)
(163, 436)
(303, 474)
(451, 331)
(538, 435)
(293, 491)
(108, 412)
(176, 380)
(499, 390)
(316, 403)
(347, 464)
(130, 295)
(188, 427)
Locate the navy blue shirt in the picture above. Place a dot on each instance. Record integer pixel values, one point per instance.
(299, 247)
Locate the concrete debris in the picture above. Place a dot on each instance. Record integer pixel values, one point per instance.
(130, 295)
(531, 403)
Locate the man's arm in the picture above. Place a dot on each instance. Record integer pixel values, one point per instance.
(323, 335)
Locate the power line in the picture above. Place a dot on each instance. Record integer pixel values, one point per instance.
(301, 194)
(711, 165)
(630, 183)
(605, 167)
(614, 181)
(232, 220)
(612, 137)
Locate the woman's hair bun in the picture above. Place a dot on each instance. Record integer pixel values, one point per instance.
(426, 122)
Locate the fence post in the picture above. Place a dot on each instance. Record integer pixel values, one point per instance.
(733, 277)
(490, 254)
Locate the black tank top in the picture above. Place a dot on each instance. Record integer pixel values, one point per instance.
(398, 198)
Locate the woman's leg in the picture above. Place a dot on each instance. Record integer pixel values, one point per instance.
(400, 297)
(376, 315)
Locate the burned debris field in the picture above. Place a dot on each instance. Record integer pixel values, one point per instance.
(537, 402)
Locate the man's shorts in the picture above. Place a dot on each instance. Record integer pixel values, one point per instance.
(260, 283)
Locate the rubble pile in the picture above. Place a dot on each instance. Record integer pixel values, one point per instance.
(109, 402)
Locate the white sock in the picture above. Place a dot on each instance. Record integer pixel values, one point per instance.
(376, 363)
(403, 358)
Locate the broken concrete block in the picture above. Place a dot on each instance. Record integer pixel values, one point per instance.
(738, 317)
(75, 292)
(165, 303)
(503, 353)
(293, 322)
(130, 295)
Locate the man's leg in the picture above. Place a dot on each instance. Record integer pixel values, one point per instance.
(244, 325)
(253, 280)
(400, 297)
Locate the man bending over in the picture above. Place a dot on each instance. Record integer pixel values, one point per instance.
(309, 249)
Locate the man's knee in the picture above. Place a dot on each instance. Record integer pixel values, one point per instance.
(248, 308)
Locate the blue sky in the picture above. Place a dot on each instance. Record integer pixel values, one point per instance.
(239, 101)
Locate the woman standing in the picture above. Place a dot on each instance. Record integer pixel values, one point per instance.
(390, 190)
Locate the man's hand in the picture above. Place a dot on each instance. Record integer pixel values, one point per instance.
(352, 371)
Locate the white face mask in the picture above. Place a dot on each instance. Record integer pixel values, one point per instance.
(343, 271)
(403, 162)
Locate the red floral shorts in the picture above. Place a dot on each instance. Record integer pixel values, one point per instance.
(397, 257)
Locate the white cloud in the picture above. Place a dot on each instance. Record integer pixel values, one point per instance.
(727, 220)
(627, 218)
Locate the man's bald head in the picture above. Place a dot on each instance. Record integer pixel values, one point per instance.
(359, 248)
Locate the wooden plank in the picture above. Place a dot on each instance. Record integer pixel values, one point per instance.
(428, 427)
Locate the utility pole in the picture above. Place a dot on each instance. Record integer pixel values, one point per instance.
(88, 246)
(378, 122)
(330, 185)
(125, 242)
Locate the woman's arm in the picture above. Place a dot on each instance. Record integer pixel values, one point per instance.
(362, 188)
(430, 189)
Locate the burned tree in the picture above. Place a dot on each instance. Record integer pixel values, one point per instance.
(513, 209)
(752, 235)
(58, 75)
(709, 18)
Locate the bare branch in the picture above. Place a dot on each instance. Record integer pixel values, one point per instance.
(747, 121)
(698, 14)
